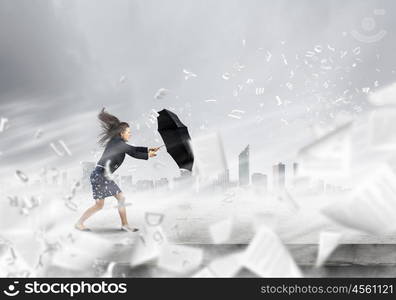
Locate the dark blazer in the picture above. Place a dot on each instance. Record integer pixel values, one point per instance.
(115, 151)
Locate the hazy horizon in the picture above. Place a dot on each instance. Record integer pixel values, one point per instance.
(284, 70)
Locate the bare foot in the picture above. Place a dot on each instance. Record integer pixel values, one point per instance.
(81, 227)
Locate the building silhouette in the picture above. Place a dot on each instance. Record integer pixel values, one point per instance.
(223, 179)
(162, 183)
(55, 176)
(144, 185)
(279, 176)
(295, 170)
(185, 180)
(244, 173)
(126, 181)
(260, 180)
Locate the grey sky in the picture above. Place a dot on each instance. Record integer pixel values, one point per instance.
(62, 61)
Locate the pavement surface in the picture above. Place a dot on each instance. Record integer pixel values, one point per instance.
(187, 218)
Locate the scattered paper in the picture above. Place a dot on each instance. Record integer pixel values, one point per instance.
(221, 231)
(328, 242)
(148, 247)
(381, 130)
(267, 257)
(188, 74)
(161, 93)
(179, 258)
(3, 122)
(209, 156)
(371, 206)
(329, 156)
(386, 95)
(227, 266)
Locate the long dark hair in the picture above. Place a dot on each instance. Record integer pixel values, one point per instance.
(111, 126)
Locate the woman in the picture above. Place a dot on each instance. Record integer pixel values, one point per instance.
(114, 136)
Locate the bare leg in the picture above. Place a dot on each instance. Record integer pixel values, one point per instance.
(121, 208)
(89, 212)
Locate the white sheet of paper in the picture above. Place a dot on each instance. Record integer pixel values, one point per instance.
(386, 95)
(328, 242)
(371, 206)
(227, 266)
(267, 257)
(25, 245)
(204, 273)
(3, 122)
(328, 156)
(381, 129)
(221, 231)
(79, 250)
(209, 157)
(148, 245)
(179, 258)
(109, 270)
(12, 264)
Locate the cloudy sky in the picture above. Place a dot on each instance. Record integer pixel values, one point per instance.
(271, 74)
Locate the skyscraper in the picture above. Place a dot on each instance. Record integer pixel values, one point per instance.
(185, 180)
(295, 169)
(162, 183)
(223, 179)
(295, 178)
(244, 174)
(260, 180)
(144, 185)
(279, 176)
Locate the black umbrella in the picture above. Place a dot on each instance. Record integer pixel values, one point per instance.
(176, 138)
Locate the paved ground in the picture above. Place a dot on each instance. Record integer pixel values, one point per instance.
(346, 261)
(186, 217)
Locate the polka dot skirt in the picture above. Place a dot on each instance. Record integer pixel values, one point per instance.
(101, 186)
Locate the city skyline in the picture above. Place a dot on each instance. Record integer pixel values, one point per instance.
(278, 176)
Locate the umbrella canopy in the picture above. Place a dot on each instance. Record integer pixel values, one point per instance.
(176, 138)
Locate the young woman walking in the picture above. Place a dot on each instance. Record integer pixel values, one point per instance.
(114, 136)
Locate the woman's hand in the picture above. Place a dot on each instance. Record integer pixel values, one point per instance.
(154, 149)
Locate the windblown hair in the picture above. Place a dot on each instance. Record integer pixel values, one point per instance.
(111, 127)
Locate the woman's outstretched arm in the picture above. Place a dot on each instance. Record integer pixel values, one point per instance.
(142, 149)
(137, 152)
